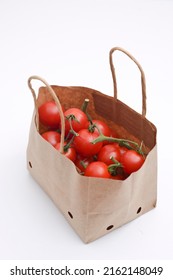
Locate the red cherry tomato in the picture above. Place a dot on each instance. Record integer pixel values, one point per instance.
(97, 169)
(49, 115)
(70, 153)
(102, 126)
(52, 137)
(82, 162)
(108, 151)
(83, 143)
(123, 150)
(78, 119)
(132, 161)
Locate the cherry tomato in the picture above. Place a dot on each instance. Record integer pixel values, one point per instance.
(108, 151)
(97, 169)
(78, 119)
(52, 137)
(82, 162)
(122, 150)
(70, 153)
(102, 126)
(132, 161)
(83, 143)
(49, 115)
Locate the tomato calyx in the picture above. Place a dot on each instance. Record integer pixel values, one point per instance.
(114, 168)
(92, 127)
(70, 118)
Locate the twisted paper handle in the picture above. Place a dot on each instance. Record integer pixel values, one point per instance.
(55, 98)
(143, 82)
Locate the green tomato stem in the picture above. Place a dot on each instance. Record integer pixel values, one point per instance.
(140, 151)
(115, 161)
(112, 168)
(85, 105)
(122, 142)
(70, 118)
(84, 109)
(83, 164)
(67, 146)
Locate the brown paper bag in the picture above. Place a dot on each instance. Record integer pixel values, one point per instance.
(94, 206)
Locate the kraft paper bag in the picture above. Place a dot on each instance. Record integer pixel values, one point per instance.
(94, 206)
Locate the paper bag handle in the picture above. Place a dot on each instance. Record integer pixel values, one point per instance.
(55, 98)
(143, 82)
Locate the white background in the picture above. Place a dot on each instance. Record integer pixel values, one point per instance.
(67, 42)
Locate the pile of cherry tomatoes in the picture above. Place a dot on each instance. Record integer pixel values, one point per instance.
(92, 146)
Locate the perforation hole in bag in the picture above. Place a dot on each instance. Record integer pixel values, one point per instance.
(30, 164)
(70, 214)
(139, 210)
(110, 227)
